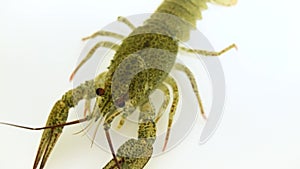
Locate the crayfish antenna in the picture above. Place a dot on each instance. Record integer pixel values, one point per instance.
(112, 148)
(48, 141)
(95, 132)
(47, 127)
(50, 136)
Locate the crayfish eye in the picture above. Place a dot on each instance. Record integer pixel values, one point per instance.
(100, 91)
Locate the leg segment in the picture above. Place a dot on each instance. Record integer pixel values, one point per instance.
(57, 120)
(147, 129)
(208, 53)
(162, 109)
(126, 22)
(111, 34)
(105, 44)
(122, 120)
(191, 77)
(135, 153)
(104, 33)
(171, 81)
(166, 102)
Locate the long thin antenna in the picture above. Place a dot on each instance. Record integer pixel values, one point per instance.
(47, 127)
(112, 148)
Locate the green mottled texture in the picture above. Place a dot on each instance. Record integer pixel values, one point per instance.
(140, 65)
(165, 104)
(183, 16)
(145, 58)
(59, 115)
(85, 90)
(142, 62)
(134, 154)
(188, 10)
(147, 131)
(147, 126)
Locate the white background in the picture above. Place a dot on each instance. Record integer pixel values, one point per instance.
(40, 44)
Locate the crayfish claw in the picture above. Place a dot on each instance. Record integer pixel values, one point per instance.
(45, 148)
(132, 154)
(57, 117)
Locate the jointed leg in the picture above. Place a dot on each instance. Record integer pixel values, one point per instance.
(58, 119)
(99, 81)
(122, 120)
(135, 153)
(165, 104)
(112, 34)
(104, 33)
(191, 77)
(147, 112)
(105, 44)
(126, 21)
(162, 109)
(208, 53)
(171, 81)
